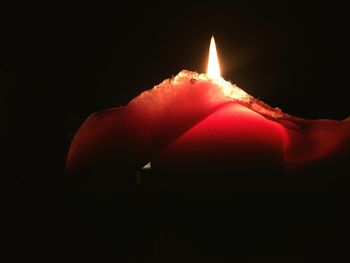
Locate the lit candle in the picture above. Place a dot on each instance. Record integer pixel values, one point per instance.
(200, 120)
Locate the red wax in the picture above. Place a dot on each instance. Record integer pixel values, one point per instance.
(191, 121)
(233, 136)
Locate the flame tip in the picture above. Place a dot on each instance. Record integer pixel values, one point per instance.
(213, 61)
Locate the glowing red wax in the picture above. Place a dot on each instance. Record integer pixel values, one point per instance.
(232, 136)
(192, 120)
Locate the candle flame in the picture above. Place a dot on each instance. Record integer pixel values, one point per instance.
(213, 61)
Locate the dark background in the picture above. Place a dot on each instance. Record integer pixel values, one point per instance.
(59, 63)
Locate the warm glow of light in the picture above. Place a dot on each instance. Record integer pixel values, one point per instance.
(213, 61)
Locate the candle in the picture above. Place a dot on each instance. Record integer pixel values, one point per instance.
(200, 121)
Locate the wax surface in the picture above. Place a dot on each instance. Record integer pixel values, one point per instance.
(190, 120)
(233, 136)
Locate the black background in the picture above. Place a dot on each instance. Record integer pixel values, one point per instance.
(59, 63)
